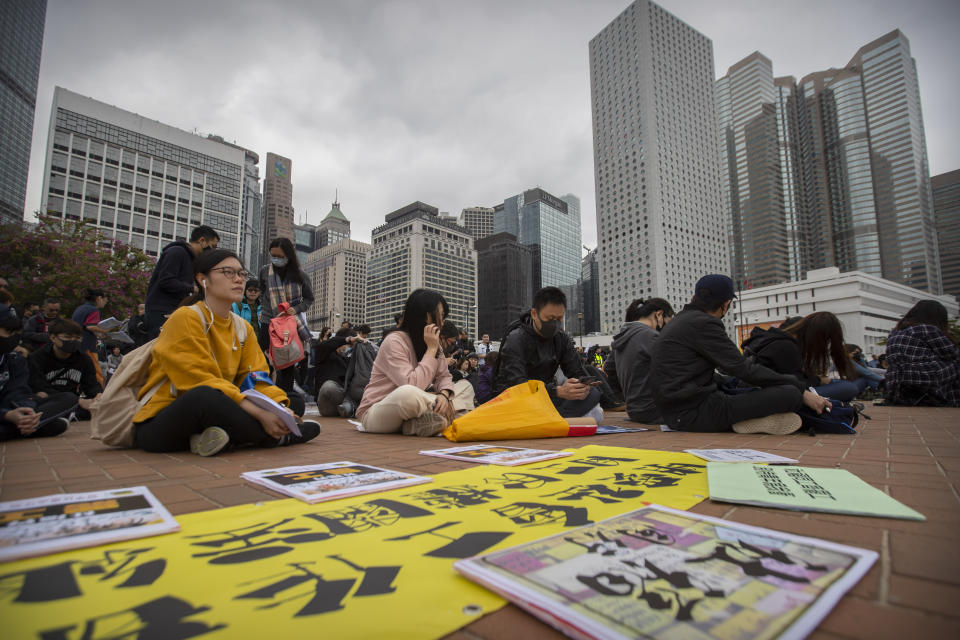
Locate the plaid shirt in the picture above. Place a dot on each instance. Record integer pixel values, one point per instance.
(923, 357)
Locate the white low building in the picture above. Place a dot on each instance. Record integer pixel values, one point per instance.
(867, 306)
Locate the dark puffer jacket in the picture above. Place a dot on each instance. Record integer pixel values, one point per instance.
(524, 355)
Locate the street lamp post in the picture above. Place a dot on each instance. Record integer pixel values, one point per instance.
(580, 318)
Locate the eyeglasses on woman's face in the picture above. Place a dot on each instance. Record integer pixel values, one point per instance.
(232, 273)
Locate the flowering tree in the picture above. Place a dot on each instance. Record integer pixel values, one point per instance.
(62, 259)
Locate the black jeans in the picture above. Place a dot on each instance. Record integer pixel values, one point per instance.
(194, 411)
(577, 408)
(719, 411)
(53, 407)
(154, 321)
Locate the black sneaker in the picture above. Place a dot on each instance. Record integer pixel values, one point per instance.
(308, 431)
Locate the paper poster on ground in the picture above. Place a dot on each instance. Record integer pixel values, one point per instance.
(373, 566)
(321, 482)
(38, 526)
(662, 573)
(739, 455)
(802, 489)
(491, 454)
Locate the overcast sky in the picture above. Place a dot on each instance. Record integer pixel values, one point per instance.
(451, 102)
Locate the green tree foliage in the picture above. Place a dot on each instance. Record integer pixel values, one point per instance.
(62, 259)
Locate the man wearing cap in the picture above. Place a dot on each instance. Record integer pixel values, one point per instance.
(689, 351)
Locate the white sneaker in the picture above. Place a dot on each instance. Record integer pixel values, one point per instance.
(210, 442)
(778, 424)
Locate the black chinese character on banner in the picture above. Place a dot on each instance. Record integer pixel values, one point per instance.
(455, 497)
(599, 492)
(254, 542)
(649, 480)
(463, 546)
(162, 618)
(515, 480)
(366, 516)
(582, 465)
(59, 581)
(534, 514)
(323, 595)
(675, 468)
(751, 560)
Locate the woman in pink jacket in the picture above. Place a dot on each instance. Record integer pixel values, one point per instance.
(410, 388)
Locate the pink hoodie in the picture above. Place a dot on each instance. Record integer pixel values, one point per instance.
(396, 365)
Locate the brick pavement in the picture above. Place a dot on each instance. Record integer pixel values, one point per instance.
(913, 453)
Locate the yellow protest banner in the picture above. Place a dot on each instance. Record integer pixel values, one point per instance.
(370, 566)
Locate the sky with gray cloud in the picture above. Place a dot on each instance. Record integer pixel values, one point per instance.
(454, 103)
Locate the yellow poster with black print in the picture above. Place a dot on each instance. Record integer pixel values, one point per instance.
(379, 565)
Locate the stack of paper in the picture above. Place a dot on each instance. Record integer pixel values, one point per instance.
(492, 454)
(38, 526)
(739, 455)
(321, 482)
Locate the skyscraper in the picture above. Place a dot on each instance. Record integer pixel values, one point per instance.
(830, 171)
(590, 293)
(21, 43)
(140, 181)
(416, 248)
(277, 199)
(946, 208)
(660, 214)
(304, 240)
(338, 275)
(333, 228)
(251, 239)
(504, 282)
(550, 225)
(478, 220)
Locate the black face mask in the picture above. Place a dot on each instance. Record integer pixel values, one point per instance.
(207, 248)
(9, 343)
(70, 346)
(548, 328)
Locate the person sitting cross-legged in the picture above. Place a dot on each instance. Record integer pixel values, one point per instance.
(535, 347)
(689, 351)
(22, 413)
(61, 367)
(410, 388)
(197, 367)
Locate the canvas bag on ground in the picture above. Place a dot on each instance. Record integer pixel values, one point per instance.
(522, 411)
(112, 414)
(286, 348)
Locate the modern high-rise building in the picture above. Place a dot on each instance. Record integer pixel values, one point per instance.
(251, 221)
(333, 228)
(946, 208)
(417, 249)
(139, 181)
(750, 117)
(304, 240)
(830, 171)
(550, 225)
(504, 283)
(478, 220)
(590, 293)
(338, 275)
(21, 43)
(277, 199)
(661, 222)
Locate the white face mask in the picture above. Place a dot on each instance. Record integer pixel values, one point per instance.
(278, 262)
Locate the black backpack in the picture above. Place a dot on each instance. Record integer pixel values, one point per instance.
(843, 418)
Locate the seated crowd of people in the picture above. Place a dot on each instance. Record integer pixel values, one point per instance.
(677, 369)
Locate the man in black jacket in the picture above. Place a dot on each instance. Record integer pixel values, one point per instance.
(59, 367)
(685, 358)
(533, 349)
(172, 278)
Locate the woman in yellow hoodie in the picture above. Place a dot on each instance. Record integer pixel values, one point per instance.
(199, 364)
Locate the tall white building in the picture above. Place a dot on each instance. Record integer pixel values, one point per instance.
(338, 276)
(478, 220)
(140, 181)
(416, 248)
(660, 217)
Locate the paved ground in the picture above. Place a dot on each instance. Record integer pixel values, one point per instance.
(914, 454)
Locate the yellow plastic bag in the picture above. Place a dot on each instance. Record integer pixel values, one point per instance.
(522, 411)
